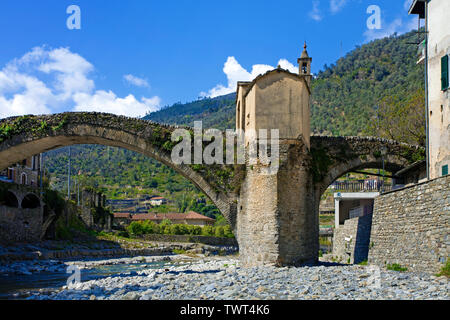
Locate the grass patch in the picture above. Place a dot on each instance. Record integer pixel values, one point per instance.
(445, 271)
(396, 267)
(178, 251)
(363, 263)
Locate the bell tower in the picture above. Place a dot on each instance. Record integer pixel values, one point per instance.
(304, 65)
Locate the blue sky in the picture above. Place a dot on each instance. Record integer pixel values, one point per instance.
(138, 55)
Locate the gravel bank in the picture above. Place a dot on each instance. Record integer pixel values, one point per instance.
(223, 278)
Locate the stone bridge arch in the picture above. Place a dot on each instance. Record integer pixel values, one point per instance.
(335, 156)
(22, 137)
(11, 199)
(30, 201)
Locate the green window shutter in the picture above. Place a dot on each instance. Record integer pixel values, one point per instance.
(445, 170)
(444, 72)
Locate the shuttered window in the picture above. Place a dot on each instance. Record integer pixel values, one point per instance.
(445, 170)
(444, 72)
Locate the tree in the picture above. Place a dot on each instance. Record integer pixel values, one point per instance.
(183, 201)
(401, 119)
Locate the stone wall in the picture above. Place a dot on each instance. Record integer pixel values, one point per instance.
(20, 225)
(357, 232)
(411, 226)
(212, 241)
(277, 222)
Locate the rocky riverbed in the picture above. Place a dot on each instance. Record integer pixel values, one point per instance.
(217, 277)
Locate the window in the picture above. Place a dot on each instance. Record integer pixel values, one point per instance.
(444, 72)
(304, 68)
(445, 170)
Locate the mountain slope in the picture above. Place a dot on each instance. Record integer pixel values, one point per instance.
(215, 113)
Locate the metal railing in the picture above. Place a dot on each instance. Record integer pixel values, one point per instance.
(357, 186)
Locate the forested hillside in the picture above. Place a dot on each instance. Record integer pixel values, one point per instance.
(214, 113)
(346, 96)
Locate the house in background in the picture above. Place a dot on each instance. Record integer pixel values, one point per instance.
(192, 218)
(436, 52)
(158, 201)
(349, 205)
(121, 219)
(27, 172)
(353, 222)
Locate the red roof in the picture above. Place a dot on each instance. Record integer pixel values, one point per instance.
(191, 215)
(122, 215)
(158, 198)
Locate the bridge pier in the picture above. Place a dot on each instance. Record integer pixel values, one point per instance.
(276, 219)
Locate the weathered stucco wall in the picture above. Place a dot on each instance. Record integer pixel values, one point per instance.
(411, 226)
(439, 100)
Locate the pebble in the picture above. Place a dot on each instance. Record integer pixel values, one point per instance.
(214, 278)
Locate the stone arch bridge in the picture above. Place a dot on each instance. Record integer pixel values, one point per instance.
(274, 217)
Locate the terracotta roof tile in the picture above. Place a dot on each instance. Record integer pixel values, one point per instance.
(122, 215)
(191, 215)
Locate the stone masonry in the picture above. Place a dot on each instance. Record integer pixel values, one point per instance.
(351, 240)
(277, 223)
(411, 227)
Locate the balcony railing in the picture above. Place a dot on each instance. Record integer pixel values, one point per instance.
(361, 186)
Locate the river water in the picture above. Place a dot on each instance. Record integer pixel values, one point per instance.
(19, 286)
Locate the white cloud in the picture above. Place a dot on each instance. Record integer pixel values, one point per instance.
(235, 72)
(136, 81)
(337, 5)
(315, 12)
(102, 101)
(53, 80)
(396, 26)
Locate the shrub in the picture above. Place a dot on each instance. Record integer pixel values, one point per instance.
(135, 228)
(445, 271)
(219, 232)
(207, 231)
(228, 232)
(396, 267)
(138, 228)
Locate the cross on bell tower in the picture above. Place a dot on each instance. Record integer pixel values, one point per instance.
(304, 64)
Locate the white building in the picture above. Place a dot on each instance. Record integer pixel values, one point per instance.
(436, 14)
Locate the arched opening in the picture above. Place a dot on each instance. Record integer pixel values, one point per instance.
(346, 207)
(23, 179)
(31, 201)
(10, 200)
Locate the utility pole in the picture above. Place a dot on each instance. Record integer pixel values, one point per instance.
(78, 192)
(41, 174)
(68, 175)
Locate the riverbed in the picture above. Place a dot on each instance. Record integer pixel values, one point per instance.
(23, 279)
(214, 277)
